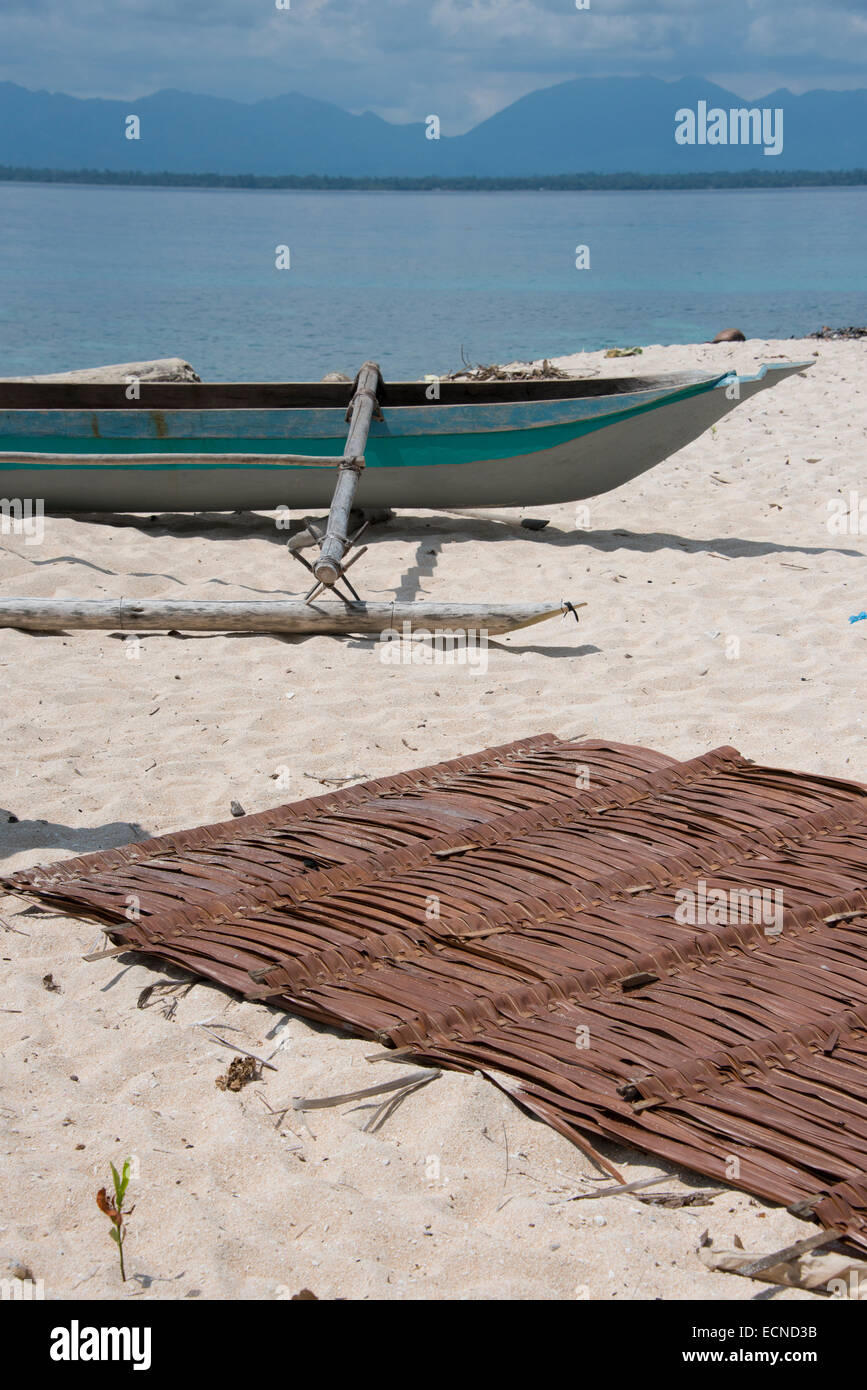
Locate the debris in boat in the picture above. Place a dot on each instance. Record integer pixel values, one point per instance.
(49, 983)
(237, 809)
(804, 1265)
(240, 1072)
(729, 335)
(520, 371)
(624, 352)
(534, 523)
(858, 617)
(304, 1296)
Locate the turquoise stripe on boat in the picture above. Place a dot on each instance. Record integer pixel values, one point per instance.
(383, 451)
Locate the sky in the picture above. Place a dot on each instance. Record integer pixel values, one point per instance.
(406, 59)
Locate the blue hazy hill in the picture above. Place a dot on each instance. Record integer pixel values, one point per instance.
(600, 125)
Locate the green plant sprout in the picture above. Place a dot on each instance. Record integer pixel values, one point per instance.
(113, 1209)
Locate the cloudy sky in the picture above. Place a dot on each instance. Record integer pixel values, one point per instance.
(404, 59)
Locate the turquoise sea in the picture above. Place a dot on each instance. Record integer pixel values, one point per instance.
(95, 275)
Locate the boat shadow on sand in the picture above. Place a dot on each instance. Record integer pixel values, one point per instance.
(432, 534)
(453, 527)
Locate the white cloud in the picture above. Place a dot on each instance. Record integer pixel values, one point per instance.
(838, 32)
(405, 58)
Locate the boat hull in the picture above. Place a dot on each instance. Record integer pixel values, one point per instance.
(525, 454)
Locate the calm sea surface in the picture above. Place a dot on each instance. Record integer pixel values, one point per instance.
(93, 275)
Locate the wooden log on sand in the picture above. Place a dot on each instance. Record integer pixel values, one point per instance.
(160, 369)
(182, 615)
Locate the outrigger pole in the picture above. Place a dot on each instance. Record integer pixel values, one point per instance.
(293, 615)
(363, 407)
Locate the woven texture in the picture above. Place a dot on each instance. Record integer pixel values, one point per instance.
(526, 912)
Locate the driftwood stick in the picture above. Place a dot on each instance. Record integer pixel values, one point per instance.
(397, 1083)
(620, 1191)
(148, 615)
(364, 402)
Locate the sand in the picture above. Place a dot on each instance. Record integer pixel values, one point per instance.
(718, 614)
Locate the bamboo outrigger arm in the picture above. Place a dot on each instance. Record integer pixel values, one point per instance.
(362, 409)
(15, 458)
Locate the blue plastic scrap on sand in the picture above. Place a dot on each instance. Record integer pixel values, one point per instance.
(858, 618)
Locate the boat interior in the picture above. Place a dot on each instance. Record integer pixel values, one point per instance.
(275, 395)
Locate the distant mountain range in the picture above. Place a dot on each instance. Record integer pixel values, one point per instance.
(603, 125)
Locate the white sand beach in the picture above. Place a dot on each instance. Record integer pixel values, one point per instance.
(718, 607)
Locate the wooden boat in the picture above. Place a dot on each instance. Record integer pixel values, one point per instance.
(192, 446)
(197, 446)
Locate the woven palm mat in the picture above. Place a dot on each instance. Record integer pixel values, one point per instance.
(668, 954)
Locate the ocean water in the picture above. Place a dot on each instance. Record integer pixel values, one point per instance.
(96, 275)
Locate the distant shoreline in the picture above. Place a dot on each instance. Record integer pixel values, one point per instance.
(565, 183)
